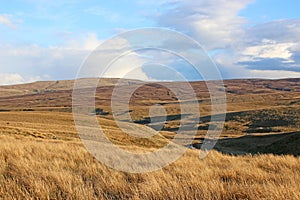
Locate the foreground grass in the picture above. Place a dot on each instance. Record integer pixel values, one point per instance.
(48, 169)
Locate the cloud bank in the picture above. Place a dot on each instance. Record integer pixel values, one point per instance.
(240, 48)
(267, 50)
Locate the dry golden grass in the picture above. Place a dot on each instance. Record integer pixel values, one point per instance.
(34, 165)
(59, 126)
(47, 125)
(37, 168)
(42, 157)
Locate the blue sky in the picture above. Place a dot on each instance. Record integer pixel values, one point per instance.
(269, 10)
(49, 40)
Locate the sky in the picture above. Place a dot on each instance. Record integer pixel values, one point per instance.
(50, 39)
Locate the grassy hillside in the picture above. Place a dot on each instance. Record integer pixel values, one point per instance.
(256, 157)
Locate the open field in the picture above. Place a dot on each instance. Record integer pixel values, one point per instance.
(50, 169)
(257, 156)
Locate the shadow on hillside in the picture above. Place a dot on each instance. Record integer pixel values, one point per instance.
(278, 144)
(149, 120)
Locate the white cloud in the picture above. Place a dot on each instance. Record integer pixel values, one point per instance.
(6, 79)
(215, 23)
(281, 31)
(9, 79)
(63, 61)
(274, 74)
(265, 50)
(54, 62)
(269, 49)
(111, 53)
(273, 46)
(87, 42)
(5, 19)
(128, 67)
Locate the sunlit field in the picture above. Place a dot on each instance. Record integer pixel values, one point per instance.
(256, 156)
(40, 160)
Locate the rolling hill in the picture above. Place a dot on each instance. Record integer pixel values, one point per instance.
(256, 156)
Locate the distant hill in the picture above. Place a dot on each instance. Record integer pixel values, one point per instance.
(260, 113)
(40, 86)
(242, 94)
